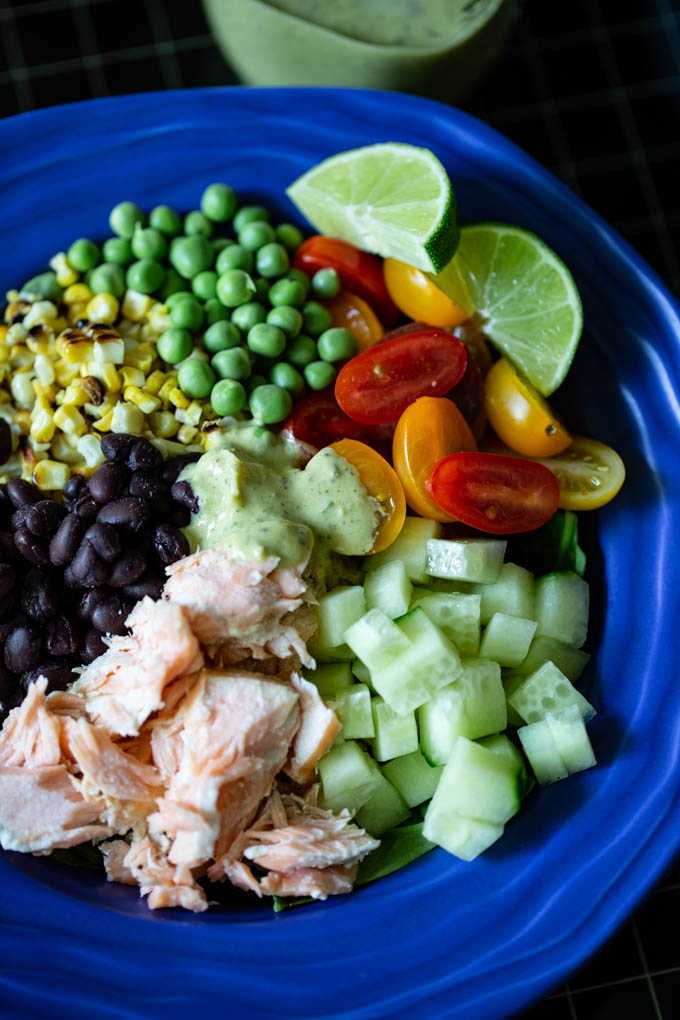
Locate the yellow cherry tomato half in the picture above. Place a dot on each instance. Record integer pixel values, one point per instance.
(380, 481)
(430, 429)
(417, 297)
(351, 312)
(519, 415)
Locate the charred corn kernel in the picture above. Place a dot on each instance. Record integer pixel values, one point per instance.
(167, 388)
(102, 308)
(105, 372)
(154, 382)
(190, 415)
(69, 419)
(144, 401)
(178, 399)
(90, 449)
(63, 450)
(77, 294)
(50, 474)
(66, 373)
(38, 345)
(142, 358)
(132, 376)
(135, 305)
(109, 350)
(187, 434)
(163, 424)
(21, 388)
(22, 420)
(73, 346)
(63, 269)
(127, 418)
(104, 423)
(43, 427)
(40, 311)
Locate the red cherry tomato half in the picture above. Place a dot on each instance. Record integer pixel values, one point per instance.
(318, 421)
(360, 272)
(494, 493)
(378, 385)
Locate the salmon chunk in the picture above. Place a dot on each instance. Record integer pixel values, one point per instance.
(319, 727)
(31, 732)
(317, 883)
(143, 863)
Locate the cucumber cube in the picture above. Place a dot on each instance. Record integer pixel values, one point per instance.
(330, 678)
(338, 610)
(539, 747)
(465, 838)
(562, 604)
(384, 809)
(569, 659)
(546, 691)
(361, 672)
(395, 734)
(473, 706)
(388, 588)
(466, 559)
(413, 777)
(353, 708)
(377, 640)
(571, 739)
(410, 547)
(500, 744)
(513, 592)
(349, 777)
(456, 614)
(477, 783)
(506, 639)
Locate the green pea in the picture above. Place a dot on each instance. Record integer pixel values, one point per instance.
(232, 364)
(234, 257)
(337, 344)
(270, 341)
(174, 345)
(289, 236)
(228, 396)
(288, 378)
(255, 235)
(318, 375)
(124, 217)
(148, 243)
(255, 381)
(83, 255)
(204, 285)
(262, 289)
(214, 311)
(218, 202)
(187, 314)
(272, 260)
(107, 279)
(301, 351)
(117, 250)
(287, 292)
(248, 315)
(196, 223)
(249, 214)
(191, 255)
(220, 243)
(326, 283)
(174, 284)
(145, 276)
(315, 318)
(235, 287)
(299, 277)
(270, 404)
(165, 219)
(179, 295)
(44, 285)
(287, 319)
(195, 378)
(221, 336)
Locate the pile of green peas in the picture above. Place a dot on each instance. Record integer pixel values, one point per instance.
(248, 331)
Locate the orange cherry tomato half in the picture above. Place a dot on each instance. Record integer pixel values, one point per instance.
(351, 312)
(418, 297)
(380, 481)
(429, 429)
(377, 386)
(500, 495)
(360, 272)
(520, 416)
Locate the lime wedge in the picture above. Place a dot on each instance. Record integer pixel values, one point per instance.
(392, 199)
(524, 294)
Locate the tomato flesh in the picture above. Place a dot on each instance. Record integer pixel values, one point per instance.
(378, 385)
(318, 421)
(360, 272)
(496, 494)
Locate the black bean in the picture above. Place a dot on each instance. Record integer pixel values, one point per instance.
(5, 441)
(87, 568)
(180, 516)
(104, 539)
(174, 465)
(8, 625)
(44, 517)
(128, 568)
(116, 446)
(8, 550)
(59, 675)
(169, 544)
(41, 597)
(109, 617)
(18, 518)
(8, 576)
(108, 482)
(144, 456)
(88, 602)
(147, 485)
(31, 548)
(85, 508)
(23, 648)
(183, 494)
(67, 538)
(149, 585)
(8, 604)
(130, 513)
(22, 492)
(75, 487)
(61, 637)
(93, 646)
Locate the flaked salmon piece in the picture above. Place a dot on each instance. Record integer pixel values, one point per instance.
(107, 771)
(31, 732)
(317, 883)
(114, 852)
(319, 726)
(230, 737)
(66, 703)
(125, 684)
(143, 863)
(42, 809)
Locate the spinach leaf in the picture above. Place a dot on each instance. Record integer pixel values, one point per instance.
(552, 547)
(84, 856)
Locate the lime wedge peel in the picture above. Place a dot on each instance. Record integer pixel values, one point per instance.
(525, 296)
(391, 199)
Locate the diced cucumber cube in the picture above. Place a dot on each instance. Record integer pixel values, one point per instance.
(361, 672)
(569, 659)
(414, 778)
(571, 739)
(456, 614)
(410, 547)
(545, 691)
(513, 592)
(395, 734)
(384, 809)
(338, 610)
(477, 783)
(466, 559)
(349, 777)
(500, 744)
(465, 838)
(472, 707)
(377, 640)
(330, 678)
(323, 654)
(388, 588)
(562, 604)
(506, 639)
(353, 708)
(539, 747)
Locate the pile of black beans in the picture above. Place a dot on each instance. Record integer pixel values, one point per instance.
(71, 571)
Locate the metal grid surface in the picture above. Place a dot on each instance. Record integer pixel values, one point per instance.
(591, 89)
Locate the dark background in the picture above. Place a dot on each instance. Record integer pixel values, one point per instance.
(591, 89)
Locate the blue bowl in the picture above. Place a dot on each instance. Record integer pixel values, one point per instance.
(441, 938)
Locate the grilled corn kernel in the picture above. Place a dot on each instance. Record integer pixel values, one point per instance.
(167, 388)
(144, 401)
(22, 420)
(103, 424)
(127, 418)
(154, 382)
(135, 305)
(132, 376)
(65, 273)
(90, 449)
(102, 308)
(190, 415)
(73, 346)
(44, 369)
(109, 350)
(50, 474)
(16, 334)
(143, 358)
(163, 424)
(69, 419)
(187, 434)
(77, 294)
(64, 450)
(40, 311)
(105, 372)
(178, 399)
(20, 357)
(76, 313)
(43, 427)
(21, 388)
(158, 320)
(66, 373)
(75, 393)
